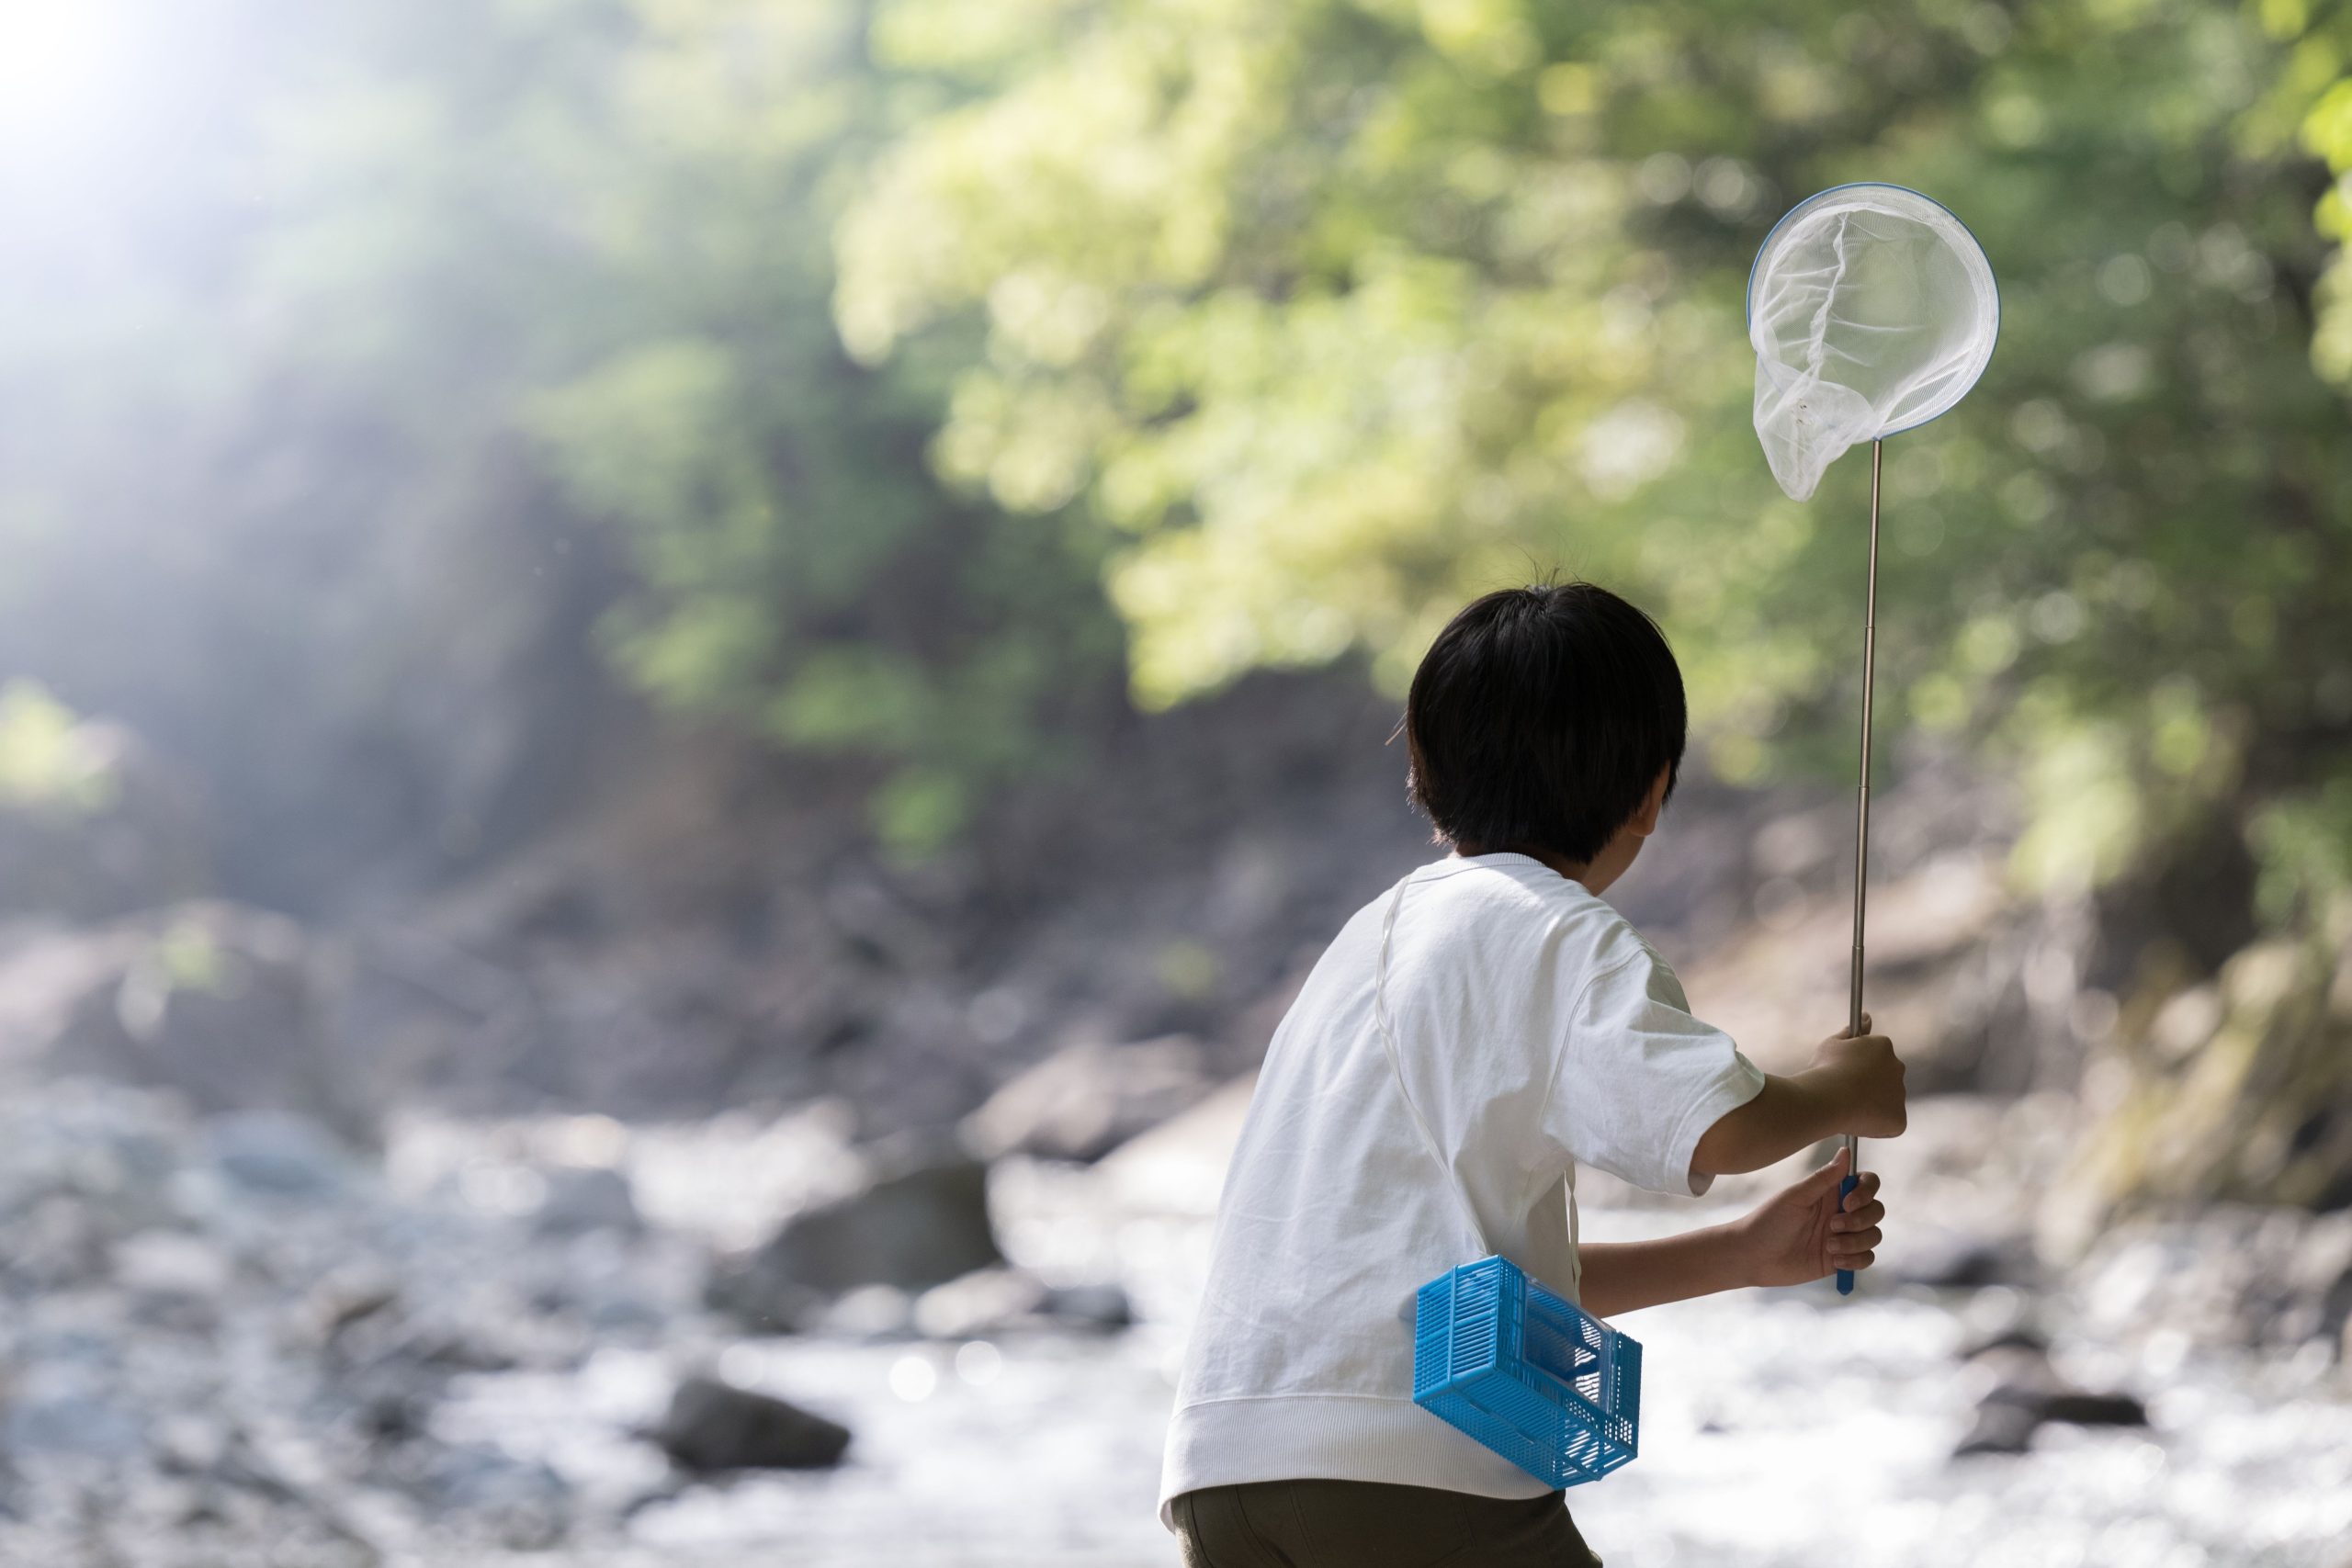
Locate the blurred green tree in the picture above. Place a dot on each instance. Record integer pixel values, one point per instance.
(935, 366)
(633, 200)
(437, 302)
(1337, 312)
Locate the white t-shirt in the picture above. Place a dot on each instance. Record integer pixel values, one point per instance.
(1537, 1029)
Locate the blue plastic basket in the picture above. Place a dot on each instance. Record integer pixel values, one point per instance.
(1529, 1374)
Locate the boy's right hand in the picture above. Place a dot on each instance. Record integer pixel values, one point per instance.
(1862, 1077)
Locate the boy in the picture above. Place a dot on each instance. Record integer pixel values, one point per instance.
(1489, 1015)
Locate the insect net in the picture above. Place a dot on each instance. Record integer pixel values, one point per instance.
(1872, 309)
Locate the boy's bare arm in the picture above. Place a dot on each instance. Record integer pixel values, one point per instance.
(1626, 1275)
(1803, 1232)
(1855, 1085)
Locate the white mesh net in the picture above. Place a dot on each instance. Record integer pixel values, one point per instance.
(1872, 309)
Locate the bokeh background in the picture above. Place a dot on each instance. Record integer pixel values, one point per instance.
(682, 681)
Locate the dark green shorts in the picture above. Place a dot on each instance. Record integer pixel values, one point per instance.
(1362, 1524)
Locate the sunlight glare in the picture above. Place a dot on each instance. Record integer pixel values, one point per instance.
(61, 66)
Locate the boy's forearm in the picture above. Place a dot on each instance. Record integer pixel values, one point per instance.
(1786, 1116)
(1626, 1275)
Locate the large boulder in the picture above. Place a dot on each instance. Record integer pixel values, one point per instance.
(2237, 1087)
(713, 1425)
(1085, 1100)
(991, 1301)
(1179, 1168)
(219, 1001)
(919, 1227)
(2022, 1391)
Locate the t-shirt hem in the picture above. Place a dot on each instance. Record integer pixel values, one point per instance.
(1327, 1437)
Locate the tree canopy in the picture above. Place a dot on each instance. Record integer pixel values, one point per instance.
(921, 368)
(1334, 313)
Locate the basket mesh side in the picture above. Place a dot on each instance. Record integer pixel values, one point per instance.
(1526, 1372)
(1478, 1305)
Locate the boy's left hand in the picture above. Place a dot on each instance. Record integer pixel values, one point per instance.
(1803, 1234)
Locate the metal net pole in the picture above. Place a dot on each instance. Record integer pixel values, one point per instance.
(1862, 822)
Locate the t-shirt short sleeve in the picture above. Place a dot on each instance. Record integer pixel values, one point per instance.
(1640, 1080)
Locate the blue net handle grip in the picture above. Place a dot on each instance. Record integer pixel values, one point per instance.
(1846, 1276)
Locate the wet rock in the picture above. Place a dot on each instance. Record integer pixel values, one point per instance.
(2008, 1416)
(523, 1502)
(2014, 1366)
(919, 1228)
(174, 1280)
(217, 1002)
(1178, 1167)
(713, 1425)
(1085, 1100)
(2022, 1391)
(170, 1263)
(870, 1311)
(281, 1154)
(985, 1302)
(191, 1444)
(580, 1199)
(2078, 1409)
(2015, 1339)
(1962, 1262)
(1998, 1429)
(67, 1409)
(736, 1286)
(990, 1301)
(2335, 1310)
(2244, 1274)
(55, 1243)
(353, 1294)
(1104, 1307)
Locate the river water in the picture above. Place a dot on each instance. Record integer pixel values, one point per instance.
(1778, 1428)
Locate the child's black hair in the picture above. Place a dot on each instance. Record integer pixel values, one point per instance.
(1539, 719)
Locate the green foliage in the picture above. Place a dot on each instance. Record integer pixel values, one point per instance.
(458, 288)
(46, 762)
(1338, 311)
(799, 568)
(921, 354)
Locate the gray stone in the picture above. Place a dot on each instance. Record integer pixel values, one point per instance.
(587, 1198)
(919, 1228)
(1102, 1307)
(869, 1312)
(524, 1501)
(1083, 1101)
(1956, 1262)
(281, 1154)
(65, 1410)
(2080, 1408)
(997, 1300)
(985, 1302)
(217, 1002)
(713, 1425)
(1999, 1428)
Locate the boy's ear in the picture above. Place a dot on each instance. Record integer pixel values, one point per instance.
(1644, 820)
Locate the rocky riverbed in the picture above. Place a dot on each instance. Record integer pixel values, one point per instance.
(232, 1342)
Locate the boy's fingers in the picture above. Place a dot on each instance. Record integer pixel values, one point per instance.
(1859, 1242)
(1864, 1189)
(1849, 1262)
(1825, 1179)
(1858, 1219)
